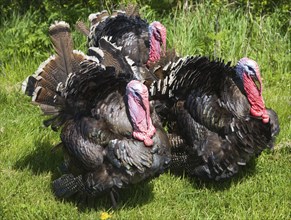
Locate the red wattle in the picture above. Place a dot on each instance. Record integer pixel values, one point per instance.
(151, 131)
(255, 112)
(143, 137)
(255, 98)
(266, 120)
(148, 142)
(265, 117)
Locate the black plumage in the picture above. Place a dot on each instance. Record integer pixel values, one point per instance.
(88, 99)
(129, 32)
(208, 115)
(136, 38)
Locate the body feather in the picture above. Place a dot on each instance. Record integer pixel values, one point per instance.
(90, 107)
(204, 104)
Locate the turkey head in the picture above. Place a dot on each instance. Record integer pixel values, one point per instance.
(157, 34)
(249, 73)
(139, 110)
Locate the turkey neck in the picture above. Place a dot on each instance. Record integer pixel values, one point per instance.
(255, 98)
(139, 111)
(155, 50)
(143, 128)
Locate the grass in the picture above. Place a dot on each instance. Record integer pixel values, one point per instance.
(261, 191)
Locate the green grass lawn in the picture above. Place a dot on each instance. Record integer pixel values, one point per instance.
(261, 191)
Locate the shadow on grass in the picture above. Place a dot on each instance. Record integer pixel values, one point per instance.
(43, 160)
(244, 173)
(130, 197)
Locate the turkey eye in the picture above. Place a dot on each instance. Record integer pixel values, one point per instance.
(252, 70)
(137, 94)
(158, 34)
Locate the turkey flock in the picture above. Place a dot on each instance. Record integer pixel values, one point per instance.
(128, 110)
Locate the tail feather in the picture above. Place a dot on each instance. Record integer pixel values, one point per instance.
(42, 95)
(95, 18)
(49, 70)
(47, 75)
(49, 110)
(47, 86)
(60, 34)
(67, 185)
(132, 10)
(51, 73)
(80, 26)
(78, 57)
(28, 85)
(116, 13)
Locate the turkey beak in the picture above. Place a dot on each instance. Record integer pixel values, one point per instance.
(146, 106)
(142, 100)
(257, 82)
(145, 103)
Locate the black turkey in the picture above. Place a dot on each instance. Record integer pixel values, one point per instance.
(215, 113)
(108, 133)
(144, 43)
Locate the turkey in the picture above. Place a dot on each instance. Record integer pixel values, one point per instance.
(215, 113)
(144, 43)
(110, 136)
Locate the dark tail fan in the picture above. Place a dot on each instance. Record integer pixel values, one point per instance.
(47, 85)
(58, 80)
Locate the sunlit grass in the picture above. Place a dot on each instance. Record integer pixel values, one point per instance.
(261, 191)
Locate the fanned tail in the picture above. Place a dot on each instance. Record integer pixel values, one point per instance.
(47, 85)
(129, 10)
(63, 45)
(97, 18)
(99, 79)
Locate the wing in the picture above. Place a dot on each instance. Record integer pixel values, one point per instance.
(203, 153)
(84, 140)
(130, 155)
